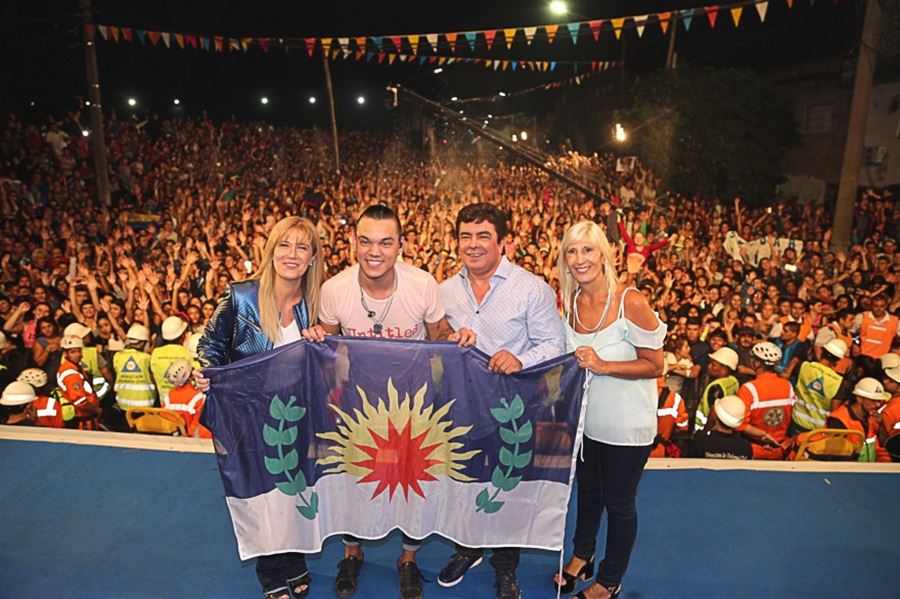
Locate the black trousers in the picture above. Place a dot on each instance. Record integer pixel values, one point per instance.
(502, 558)
(608, 478)
(274, 571)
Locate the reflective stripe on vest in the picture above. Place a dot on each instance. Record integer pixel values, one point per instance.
(190, 407)
(876, 338)
(50, 410)
(135, 387)
(728, 384)
(61, 377)
(817, 385)
(769, 403)
(673, 411)
(134, 403)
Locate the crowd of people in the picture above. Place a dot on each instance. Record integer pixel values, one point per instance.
(193, 201)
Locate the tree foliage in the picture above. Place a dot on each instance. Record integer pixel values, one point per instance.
(716, 132)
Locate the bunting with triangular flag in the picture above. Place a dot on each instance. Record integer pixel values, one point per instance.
(489, 39)
(761, 10)
(711, 13)
(573, 31)
(179, 39)
(639, 22)
(736, 15)
(664, 18)
(114, 32)
(529, 34)
(551, 32)
(103, 31)
(617, 26)
(165, 38)
(687, 16)
(508, 36)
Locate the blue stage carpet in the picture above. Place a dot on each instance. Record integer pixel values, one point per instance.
(103, 522)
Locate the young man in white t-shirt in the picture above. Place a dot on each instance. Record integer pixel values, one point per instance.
(380, 297)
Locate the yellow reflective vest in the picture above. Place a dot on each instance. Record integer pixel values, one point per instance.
(134, 382)
(817, 385)
(91, 360)
(729, 385)
(160, 359)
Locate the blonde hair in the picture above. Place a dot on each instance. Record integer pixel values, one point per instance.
(590, 233)
(312, 279)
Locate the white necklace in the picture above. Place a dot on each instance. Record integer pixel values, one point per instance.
(602, 317)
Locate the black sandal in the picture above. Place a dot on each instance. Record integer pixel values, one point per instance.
(348, 576)
(612, 590)
(300, 582)
(585, 573)
(282, 593)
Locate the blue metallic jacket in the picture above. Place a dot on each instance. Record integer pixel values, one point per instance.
(234, 332)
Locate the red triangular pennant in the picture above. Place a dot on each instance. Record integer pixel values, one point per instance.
(595, 29)
(489, 38)
(310, 45)
(664, 18)
(711, 13)
(154, 36)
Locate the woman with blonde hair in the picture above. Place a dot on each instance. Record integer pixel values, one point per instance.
(278, 305)
(618, 338)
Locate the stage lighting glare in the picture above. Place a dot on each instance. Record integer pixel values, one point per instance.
(264, 100)
(85, 132)
(312, 99)
(360, 100)
(558, 7)
(176, 102)
(132, 102)
(524, 135)
(438, 71)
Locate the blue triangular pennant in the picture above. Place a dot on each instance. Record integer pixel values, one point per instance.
(470, 38)
(369, 56)
(378, 41)
(515, 64)
(553, 65)
(142, 36)
(686, 16)
(573, 31)
(422, 59)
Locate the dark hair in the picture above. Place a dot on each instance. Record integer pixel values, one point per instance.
(381, 212)
(718, 333)
(693, 320)
(481, 212)
(842, 314)
(50, 320)
(793, 326)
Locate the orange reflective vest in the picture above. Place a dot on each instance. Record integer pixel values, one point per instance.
(75, 386)
(890, 416)
(805, 326)
(876, 338)
(770, 403)
(670, 416)
(872, 450)
(53, 412)
(188, 402)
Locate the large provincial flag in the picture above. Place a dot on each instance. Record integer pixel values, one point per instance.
(363, 436)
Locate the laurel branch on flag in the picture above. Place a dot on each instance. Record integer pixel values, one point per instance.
(511, 458)
(288, 464)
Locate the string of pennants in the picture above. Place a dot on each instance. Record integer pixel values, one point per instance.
(576, 80)
(425, 47)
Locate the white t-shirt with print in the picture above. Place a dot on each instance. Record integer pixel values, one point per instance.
(415, 302)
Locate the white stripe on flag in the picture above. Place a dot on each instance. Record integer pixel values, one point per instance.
(533, 516)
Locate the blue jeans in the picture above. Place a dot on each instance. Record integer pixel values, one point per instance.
(608, 478)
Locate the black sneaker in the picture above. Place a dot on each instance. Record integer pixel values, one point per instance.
(507, 586)
(348, 576)
(456, 568)
(410, 581)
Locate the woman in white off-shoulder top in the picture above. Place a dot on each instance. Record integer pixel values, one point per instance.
(618, 338)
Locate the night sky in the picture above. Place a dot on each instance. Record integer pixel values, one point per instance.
(43, 61)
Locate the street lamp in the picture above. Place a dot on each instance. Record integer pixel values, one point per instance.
(558, 7)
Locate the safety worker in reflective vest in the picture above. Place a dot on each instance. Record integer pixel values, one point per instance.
(817, 389)
(862, 414)
(877, 328)
(890, 415)
(134, 382)
(75, 385)
(191, 346)
(93, 361)
(671, 416)
(52, 411)
(18, 401)
(174, 334)
(838, 328)
(769, 399)
(185, 399)
(722, 364)
(721, 441)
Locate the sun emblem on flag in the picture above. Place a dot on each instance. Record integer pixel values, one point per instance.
(401, 443)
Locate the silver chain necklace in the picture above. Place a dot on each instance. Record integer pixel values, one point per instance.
(377, 327)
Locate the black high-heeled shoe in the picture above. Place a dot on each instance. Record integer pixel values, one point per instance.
(585, 573)
(613, 592)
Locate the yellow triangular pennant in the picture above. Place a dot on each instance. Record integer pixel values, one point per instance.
(617, 26)
(551, 32)
(736, 15)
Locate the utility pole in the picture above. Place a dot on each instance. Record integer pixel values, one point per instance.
(856, 125)
(670, 54)
(334, 135)
(98, 139)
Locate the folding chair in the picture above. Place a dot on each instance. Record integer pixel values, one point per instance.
(156, 421)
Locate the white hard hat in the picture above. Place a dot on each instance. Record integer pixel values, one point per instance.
(730, 410)
(192, 342)
(871, 389)
(115, 345)
(893, 373)
(76, 329)
(35, 377)
(179, 372)
(836, 347)
(767, 352)
(889, 361)
(138, 332)
(17, 393)
(172, 328)
(71, 342)
(725, 356)
(3, 341)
